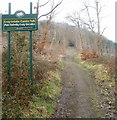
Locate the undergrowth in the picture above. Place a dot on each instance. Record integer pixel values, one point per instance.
(104, 80)
(20, 103)
(43, 104)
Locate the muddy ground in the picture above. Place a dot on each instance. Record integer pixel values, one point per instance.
(76, 100)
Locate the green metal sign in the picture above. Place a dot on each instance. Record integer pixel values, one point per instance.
(19, 22)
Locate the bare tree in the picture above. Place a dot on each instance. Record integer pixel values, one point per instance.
(76, 20)
(85, 18)
(53, 7)
(49, 16)
(95, 21)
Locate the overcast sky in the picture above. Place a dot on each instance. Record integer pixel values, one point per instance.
(66, 8)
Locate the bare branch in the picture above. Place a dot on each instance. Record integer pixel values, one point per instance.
(103, 30)
(74, 20)
(51, 10)
(44, 3)
(100, 9)
(91, 26)
(92, 7)
(52, 5)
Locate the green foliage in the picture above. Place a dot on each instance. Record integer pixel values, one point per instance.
(105, 83)
(11, 107)
(51, 87)
(15, 104)
(95, 104)
(100, 72)
(43, 103)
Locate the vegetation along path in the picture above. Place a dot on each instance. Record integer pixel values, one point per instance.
(75, 101)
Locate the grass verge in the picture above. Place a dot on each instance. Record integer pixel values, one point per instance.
(105, 83)
(95, 103)
(44, 103)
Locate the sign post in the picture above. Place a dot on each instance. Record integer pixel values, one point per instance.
(9, 56)
(31, 55)
(20, 22)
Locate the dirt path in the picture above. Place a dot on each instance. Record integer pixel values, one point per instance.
(75, 101)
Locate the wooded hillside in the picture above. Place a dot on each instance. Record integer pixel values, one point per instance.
(73, 68)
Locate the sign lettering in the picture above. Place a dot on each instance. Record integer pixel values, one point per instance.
(19, 22)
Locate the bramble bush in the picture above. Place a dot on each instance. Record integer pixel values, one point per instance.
(19, 97)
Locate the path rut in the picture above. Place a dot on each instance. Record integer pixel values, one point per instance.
(75, 101)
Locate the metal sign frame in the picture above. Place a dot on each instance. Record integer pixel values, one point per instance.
(19, 21)
(20, 16)
(25, 23)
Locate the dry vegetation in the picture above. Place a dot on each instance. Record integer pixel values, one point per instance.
(49, 45)
(102, 71)
(46, 77)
